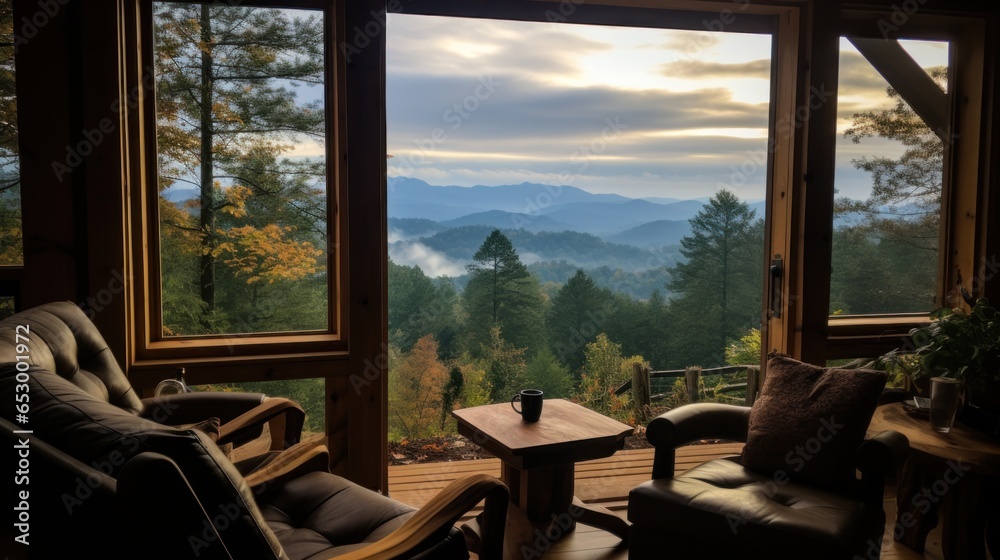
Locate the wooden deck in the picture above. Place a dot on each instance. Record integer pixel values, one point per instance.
(606, 482)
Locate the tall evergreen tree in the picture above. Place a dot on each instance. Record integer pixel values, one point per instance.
(419, 306)
(579, 312)
(226, 113)
(501, 293)
(719, 285)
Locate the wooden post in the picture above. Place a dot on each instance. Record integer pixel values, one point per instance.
(691, 375)
(640, 391)
(753, 384)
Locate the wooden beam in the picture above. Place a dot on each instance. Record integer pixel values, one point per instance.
(915, 86)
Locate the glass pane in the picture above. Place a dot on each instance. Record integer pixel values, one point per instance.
(308, 393)
(888, 179)
(565, 201)
(11, 250)
(241, 132)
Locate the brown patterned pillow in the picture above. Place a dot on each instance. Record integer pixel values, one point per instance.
(809, 421)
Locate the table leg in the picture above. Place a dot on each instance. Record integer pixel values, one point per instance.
(916, 515)
(963, 514)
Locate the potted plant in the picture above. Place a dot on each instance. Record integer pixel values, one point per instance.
(965, 346)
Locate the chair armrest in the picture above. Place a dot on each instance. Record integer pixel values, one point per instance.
(299, 459)
(188, 408)
(877, 457)
(444, 510)
(690, 423)
(285, 418)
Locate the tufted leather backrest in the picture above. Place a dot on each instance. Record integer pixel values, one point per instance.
(106, 437)
(60, 338)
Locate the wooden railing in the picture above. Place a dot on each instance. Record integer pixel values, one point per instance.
(642, 395)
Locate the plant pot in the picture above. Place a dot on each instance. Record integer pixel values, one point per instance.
(982, 409)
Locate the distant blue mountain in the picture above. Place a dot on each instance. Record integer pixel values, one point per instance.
(406, 228)
(654, 234)
(508, 220)
(523, 198)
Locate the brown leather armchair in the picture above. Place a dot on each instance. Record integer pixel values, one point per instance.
(722, 509)
(106, 483)
(59, 337)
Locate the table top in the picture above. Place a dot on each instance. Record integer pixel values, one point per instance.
(972, 448)
(566, 433)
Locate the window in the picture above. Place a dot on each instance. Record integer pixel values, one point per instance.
(552, 223)
(890, 170)
(11, 251)
(908, 191)
(241, 133)
(244, 248)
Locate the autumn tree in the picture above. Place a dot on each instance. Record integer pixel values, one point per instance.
(416, 389)
(10, 176)
(719, 285)
(228, 113)
(501, 293)
(604, 370)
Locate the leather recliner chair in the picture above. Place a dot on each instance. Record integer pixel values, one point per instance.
(106, 483)
(691, 513)
(60, 338)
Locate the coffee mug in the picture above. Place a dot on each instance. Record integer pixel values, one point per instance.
(531, 404)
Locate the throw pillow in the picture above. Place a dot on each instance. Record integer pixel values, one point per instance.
(809, 421)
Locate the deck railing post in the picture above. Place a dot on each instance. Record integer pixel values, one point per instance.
(640, 392)
(691, 376)
(753, 384)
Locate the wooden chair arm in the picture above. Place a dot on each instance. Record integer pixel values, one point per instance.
(297, 460)
(443, 510)
(249, 424)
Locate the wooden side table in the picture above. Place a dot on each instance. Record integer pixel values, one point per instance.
(954, 475)
(538, 460)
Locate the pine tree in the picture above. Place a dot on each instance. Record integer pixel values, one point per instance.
(579, 312)
(719, 285)
(226, 113)
(501, 293)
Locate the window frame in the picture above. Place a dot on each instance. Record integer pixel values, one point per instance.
(153, 352)
(961, 251)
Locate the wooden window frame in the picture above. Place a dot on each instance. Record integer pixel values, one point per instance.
(961, 254)
(234, 357)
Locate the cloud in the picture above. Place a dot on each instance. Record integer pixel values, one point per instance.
(431, 262)
(693, 68)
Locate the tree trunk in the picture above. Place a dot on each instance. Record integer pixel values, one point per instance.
(207, 214)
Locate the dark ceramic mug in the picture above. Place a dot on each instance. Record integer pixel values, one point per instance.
(531, 404)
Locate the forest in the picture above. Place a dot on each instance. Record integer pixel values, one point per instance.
(244, 245)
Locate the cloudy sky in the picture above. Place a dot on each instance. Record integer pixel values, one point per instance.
(639, 112)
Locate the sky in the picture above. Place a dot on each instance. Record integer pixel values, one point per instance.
(638, 112)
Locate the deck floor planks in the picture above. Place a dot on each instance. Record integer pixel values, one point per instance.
(605, 481)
